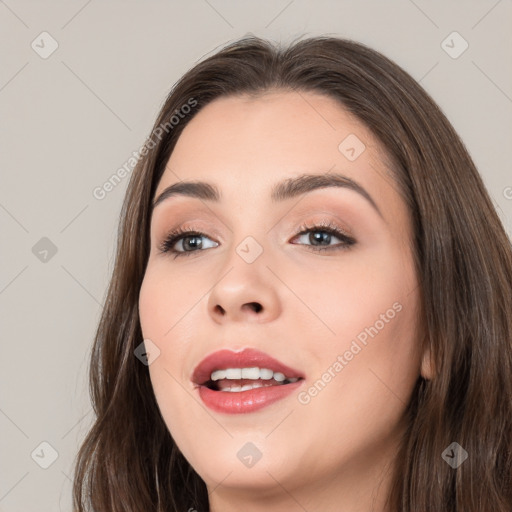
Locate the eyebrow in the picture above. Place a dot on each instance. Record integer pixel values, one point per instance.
(286, 189)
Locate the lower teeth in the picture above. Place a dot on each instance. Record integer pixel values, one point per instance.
(238, 388)
(246, 387)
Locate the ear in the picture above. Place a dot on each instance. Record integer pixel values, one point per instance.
(427, 364)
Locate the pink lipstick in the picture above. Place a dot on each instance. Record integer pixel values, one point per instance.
(242, 382)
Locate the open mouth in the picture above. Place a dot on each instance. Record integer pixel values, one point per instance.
(245, 381)
(236, 380)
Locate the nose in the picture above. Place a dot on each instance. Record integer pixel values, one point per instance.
(246, 292)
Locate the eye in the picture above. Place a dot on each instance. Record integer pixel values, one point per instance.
(182, 242)
(320, 237)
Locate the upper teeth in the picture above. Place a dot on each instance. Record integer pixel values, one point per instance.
(249, 373)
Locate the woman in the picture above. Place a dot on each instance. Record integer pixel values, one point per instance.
(310, 306)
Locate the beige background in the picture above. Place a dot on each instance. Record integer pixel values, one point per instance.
(70, 120)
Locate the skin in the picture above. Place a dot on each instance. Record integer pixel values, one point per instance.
(335, 452)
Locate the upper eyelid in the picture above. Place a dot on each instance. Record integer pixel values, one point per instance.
(313, 217)
(187, 229)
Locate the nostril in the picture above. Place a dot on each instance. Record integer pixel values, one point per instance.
(220, 309)
(256, 306)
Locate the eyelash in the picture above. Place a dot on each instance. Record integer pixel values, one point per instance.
(327, 227)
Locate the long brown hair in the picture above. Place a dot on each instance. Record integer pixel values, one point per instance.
(463, 257)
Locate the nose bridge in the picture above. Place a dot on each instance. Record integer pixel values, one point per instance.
(245, 288)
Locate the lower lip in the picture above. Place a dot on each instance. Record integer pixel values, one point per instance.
(245, 401)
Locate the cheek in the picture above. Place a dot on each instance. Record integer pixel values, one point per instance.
(167, 300)
(164, 319)
(366, 347)
(169, 307)
(165, 315)
(154, 299)
(366, 371)
(347, 297)
(366, 380)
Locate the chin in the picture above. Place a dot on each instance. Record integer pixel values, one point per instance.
(248, 462)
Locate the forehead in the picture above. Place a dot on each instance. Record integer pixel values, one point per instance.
(288, 126)
(246, 144)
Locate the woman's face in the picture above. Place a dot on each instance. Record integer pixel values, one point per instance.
(334, 306)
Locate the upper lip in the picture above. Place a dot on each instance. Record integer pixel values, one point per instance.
(249, 357)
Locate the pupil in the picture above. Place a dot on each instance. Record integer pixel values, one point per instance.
(191, 245)
(320, 236)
